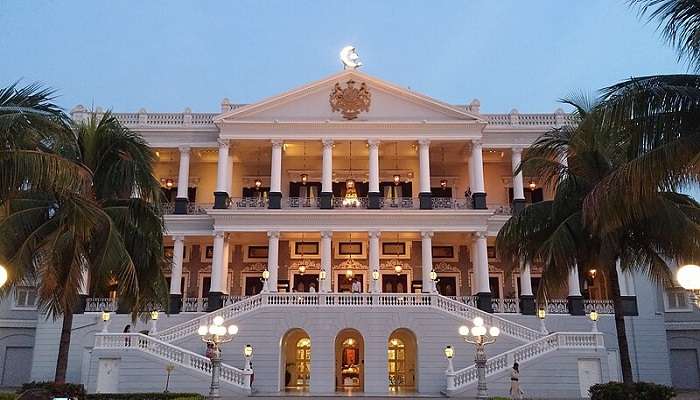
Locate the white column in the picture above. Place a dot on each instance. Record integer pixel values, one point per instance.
(273, 258)
(327, 178)
(625, 279)
(84, 287)
(375, 286)
(525, 280)
(217, 263)
(424, 161)
(176, 269)
(222, 163)
(573, 282)
(427, 260)
(276, 172)
(470, 169)
(373, 166)
(229, 177)
(475, 271)
(224, 268)
(183, 177)
(482, 263)
(326, 259)
(477, 160)
(518, 188)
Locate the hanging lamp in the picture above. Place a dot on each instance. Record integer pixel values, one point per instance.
(397, 177)
(350, 199)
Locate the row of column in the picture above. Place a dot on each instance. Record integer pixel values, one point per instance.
(224, 170)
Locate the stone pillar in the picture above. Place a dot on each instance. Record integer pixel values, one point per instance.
(326, 260)
(627, 293)
(518, 188)
(375, 286)
(527, 298)
(575, 299)
(373, 194)
(326, 196)
(427, 261)
(273, 251)
(220, 195)
(479, 193)
(176, 275)
(224, 269)
(217, 272)
(424, 161)
(276, 175)
(83, 290)
(481, 262)
(183, 181)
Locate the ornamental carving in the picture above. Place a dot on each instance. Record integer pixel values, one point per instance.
(445, 267)
(350, 264)
(254, 267)
(308, 264)
(350, 101)
(391, 265)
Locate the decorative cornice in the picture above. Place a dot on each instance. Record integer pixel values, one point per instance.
(254, 267)
(443, 266)
(351, 264)
(392, 263)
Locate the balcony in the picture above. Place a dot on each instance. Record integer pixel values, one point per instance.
(442, 203)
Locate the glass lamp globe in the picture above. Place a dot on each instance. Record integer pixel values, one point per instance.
(688, 276)
(105, 316)
(449, 352)
(375, 275)
(593, 315)
(494, 331)
(248, 350)
(213, 330)
(218, 320)
(433, 275)
(232, 329)
(3, 275)
(478, 321)
(203, 330)
(463, 330)
(266, 274)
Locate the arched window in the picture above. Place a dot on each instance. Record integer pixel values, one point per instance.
(397, 363)
(303, 362)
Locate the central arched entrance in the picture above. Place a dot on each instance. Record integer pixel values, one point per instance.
(349, 361)
(296, 361)
(401, 357)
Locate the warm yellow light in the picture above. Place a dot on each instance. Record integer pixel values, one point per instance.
(532, 185)
(433, 275)
(443, 183)
(233, 330)
(154, 315)
(494, 331)
(593, 315)
(348, 273)
(478, 321)
(449, 352)
(266, 274)
(203, 330)
(218, 320)
(375, 275)
(398, 268)
(592, 272)
(541, 313)
(464, 330)
(169, 183)
(397, 179)
(322, 275)
(105, 316)
(3, 275)
(688, 276)
(304, 179)
(248, 350)
(258, 183)
(302, 269)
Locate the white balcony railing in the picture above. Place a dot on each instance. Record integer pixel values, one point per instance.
(99, 304)
(248, 202)
(599, 306)
(505, 306)
(302, 202)
(192, 208)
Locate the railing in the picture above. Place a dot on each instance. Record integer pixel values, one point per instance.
(468, 300)
(303, 202)
(228, 300)
(463, 310)
(340, 202)
(599, 306)
(248, 202)
(500, 209)
(148, 344)
(192, 208)
(98, 304)
(398, 202)
(194, 304)
(509, 306)
(449, 202)
(556, 306)
(541, 119)
(459, 380)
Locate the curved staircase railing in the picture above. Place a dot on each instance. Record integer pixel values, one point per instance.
(138, 342)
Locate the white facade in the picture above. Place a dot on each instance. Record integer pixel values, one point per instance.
(434, 184)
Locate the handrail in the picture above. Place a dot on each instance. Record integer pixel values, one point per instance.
(460, 379)
(148, 344)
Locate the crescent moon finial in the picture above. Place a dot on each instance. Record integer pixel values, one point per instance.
(350, 58)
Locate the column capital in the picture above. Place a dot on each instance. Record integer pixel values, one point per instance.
(327, 234)
(480, 235)
(277, 142)
(424, 142)
(222, 142)
(374, 234)
(373, 142)
(273, 234)
(426, 234)
(517, 149)
(327, 142)
(476, 143)
(178, 237)
(218, 234)
(184, 149)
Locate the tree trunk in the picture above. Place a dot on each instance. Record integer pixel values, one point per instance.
(621, 329)
(63, 347)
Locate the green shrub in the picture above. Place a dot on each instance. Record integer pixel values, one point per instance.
(70, 390)
(8, 396)
(636, 391)
(145, 396)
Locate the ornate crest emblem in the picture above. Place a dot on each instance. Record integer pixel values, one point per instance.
(350, 101)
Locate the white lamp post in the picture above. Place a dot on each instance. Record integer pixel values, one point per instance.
(321, 279)
(248, 354)
(541, 314)
(688, 276)
(105, 321)
(216, 334)
(449, 353)
(375, 281)
(434, 279)
(265, 277)
(593, 315)
(154, 322)
(480, 341)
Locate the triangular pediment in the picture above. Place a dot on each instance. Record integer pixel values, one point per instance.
(388, 102)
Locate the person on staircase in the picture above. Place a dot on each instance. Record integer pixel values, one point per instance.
(515, 391)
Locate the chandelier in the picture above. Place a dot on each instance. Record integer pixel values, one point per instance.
(350, 199)
(397, 177)
(304, 175)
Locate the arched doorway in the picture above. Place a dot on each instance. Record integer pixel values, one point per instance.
(296, 361)
(349, 361)
(401, 357)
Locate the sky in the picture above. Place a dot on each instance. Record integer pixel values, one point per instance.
(168, 55)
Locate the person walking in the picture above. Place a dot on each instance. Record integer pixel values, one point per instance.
(515, 391)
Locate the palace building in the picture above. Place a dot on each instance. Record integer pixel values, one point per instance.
(347, 228)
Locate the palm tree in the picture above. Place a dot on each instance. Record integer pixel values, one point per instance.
(660, 118)
(574, 162)
(109, 229)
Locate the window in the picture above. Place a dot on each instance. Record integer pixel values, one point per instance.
(25, 297)
(677, 300)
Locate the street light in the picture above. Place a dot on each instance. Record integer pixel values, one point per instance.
(375, 280)
(154, 322)
(322, 279)
(248, 354)
(688, 276)
(105, 320)
(3, 275)
(434, 279)
(265, 277)
(594, 319)
(215, 335)
(541, 314)
(449, 353)
(480, 341)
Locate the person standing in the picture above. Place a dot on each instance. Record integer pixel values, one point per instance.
(515, 391)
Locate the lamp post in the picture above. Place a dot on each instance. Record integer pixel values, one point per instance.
(375, 281)
(105, 321)
(3, 275)
(593, 315)
(215, 335)
(248, 354)
(480, 341)
(434, 280)
(450, 353)
(154, 322)
(265, 277)
(541, 314)
(688, 276)
(321, 279)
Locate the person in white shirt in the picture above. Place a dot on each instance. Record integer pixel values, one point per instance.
(356, 286)
(515, 391)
